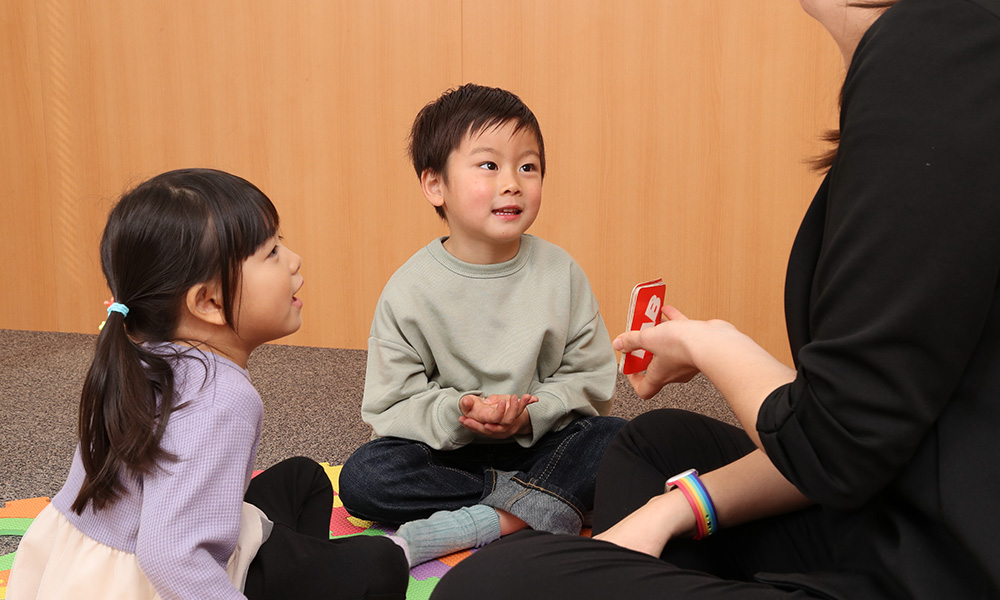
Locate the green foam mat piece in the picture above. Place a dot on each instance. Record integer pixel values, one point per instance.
(14, 526)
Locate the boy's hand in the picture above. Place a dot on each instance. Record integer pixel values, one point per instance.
(484, 410)
(499, 416)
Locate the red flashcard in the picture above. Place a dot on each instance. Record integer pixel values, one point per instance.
(643, 311)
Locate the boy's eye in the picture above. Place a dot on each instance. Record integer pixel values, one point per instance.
(528, 168)
(492, 166)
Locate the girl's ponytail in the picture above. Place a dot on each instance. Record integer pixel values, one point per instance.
(119, 425)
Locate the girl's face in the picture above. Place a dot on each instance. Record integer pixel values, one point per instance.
(266, 308)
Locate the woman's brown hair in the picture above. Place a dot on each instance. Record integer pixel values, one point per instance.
(824, 161)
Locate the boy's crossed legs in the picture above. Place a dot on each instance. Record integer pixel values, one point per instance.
(456, 499)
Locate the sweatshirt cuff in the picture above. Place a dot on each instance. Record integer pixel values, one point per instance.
(544, 416)
(448, 412)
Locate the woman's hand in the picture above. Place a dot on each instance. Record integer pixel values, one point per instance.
(742, 371)
(649, 528)
(669, 343)
(746, 489)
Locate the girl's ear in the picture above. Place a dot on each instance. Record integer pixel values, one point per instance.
(204, 302)
(431, 183)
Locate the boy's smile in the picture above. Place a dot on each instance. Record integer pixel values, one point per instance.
(508, 212)
(491, 192)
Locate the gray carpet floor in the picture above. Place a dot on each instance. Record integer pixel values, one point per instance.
(312, 400)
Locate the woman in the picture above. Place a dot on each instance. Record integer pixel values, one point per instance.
(868, 471)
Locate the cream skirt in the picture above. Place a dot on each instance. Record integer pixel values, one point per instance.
(56, 561)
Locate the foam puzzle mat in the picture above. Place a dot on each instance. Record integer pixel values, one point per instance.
(17, 515)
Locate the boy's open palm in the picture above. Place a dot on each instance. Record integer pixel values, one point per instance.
(499, 416)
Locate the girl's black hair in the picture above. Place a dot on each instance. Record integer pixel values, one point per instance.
(165, 236)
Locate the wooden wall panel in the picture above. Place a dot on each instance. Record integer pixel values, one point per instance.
(310, 101)
(675, 133)
(28, 278)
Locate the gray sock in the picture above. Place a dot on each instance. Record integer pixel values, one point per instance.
(445, 532)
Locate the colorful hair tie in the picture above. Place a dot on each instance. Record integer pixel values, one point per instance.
(118, 308)
(697, 496)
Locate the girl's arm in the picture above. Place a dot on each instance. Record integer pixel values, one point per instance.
(191, 506)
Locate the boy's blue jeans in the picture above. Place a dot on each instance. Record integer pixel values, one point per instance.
(550, 486)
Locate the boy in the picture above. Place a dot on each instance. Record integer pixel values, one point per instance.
(488, 361)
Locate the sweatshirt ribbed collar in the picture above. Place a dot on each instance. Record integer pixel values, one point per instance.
(493, 271)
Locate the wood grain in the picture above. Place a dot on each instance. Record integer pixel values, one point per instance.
(675, 134)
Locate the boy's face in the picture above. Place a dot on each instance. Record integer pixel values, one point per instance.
(492, 193)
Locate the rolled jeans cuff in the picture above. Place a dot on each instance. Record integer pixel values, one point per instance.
(541, 509)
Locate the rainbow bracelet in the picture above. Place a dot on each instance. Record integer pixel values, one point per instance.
(697, 496)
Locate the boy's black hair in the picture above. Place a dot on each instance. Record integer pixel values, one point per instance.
(440, 126)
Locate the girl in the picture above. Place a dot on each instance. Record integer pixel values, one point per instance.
(159, 502)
